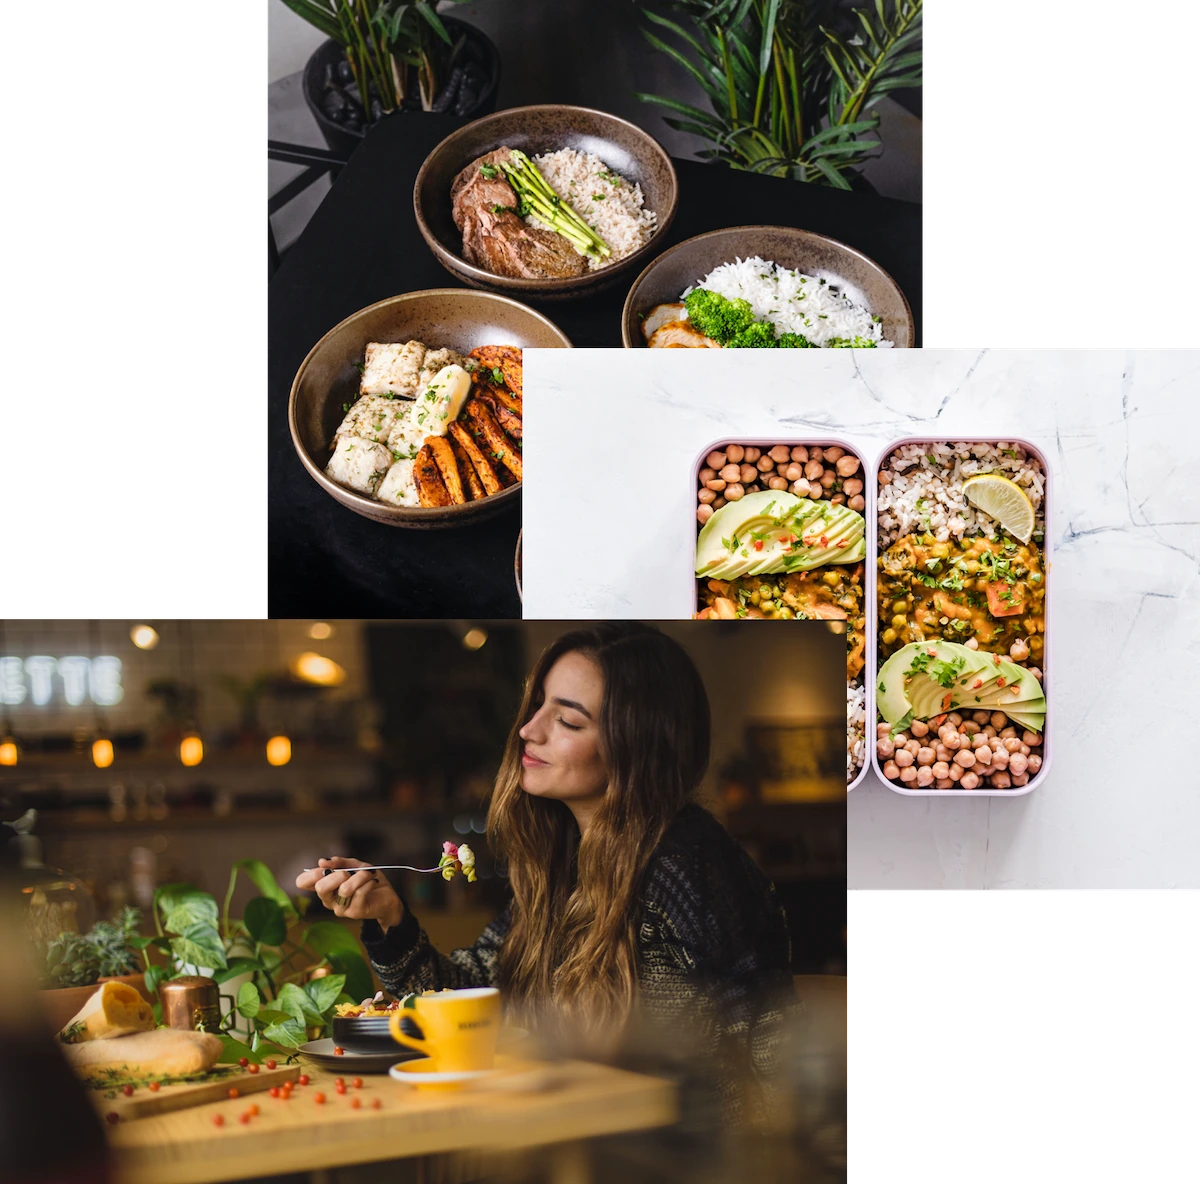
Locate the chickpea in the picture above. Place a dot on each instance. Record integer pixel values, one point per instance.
(827, 479)
(981, 717)
(903, 758)
(1012, 745)
(857, 502)
(924, 776)
(1031, 738)
(971, 643)
(752, 454)
(1018, 763)
(1033, 762)
(969, 781)
(913, 746)
(964, 757)
(968, 727)
(908, 774)
(838, 499)
(891, 770)
(980, 740)
(813, 469)
(815, 454)
(943, 783)
(847, 466)
(1008, 733)
(764, 464)
(983, 756)
(989, 732)
(1019, 650)
(901, 738)
(953, 741)
(1019, 779)
(781, 452)
(731, 473)
(942, 753)
(919, 728)
(779, 483)
(815, 490)
(941, 768)
(1036, 673)
(883, 729)
(884, 747)
(831, 579)
(735, 453)
(925, 756)
(719, 503)
(853, 486)
(716, 483)
(747, 474)
(706, 496)
(800, 453)
(1001, 780)
(1000, 758)
(707, 475)
(800, 488)
(955, 718)
(889, 636)
(956, 772)
(1024, 750)
(794, 471)
(833, 453)
(716, 460)
(999, 719)
(703, 514)
(885, 478)
(734, 492)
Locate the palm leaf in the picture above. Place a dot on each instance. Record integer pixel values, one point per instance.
(320, 16)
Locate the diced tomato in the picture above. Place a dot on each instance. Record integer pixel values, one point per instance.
(946, 700)
(977, 684)
(824, 541)
(1004, 600)
(758, 546)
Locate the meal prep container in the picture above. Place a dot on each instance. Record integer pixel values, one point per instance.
(868, 512)
(1047, 651)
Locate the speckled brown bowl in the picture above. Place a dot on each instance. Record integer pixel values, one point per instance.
(862, 279)
(624, 148)
(440, 317)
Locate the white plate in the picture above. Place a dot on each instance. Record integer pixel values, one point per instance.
(419, 1078)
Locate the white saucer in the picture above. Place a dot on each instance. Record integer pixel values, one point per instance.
(416, 1073)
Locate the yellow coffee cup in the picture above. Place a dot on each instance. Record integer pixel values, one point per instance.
(460, 1028)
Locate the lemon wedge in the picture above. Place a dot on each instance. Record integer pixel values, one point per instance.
(1004, 500)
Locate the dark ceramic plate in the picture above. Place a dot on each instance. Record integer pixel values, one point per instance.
(626, 149)
(320, 1052)
(862, 279)
(368, 1034)
(440, 317)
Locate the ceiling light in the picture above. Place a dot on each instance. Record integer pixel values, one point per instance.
(475, 639)
(102, 752)
(320, 631)
(8, 751)
(191, 750)
(321, 671)
(144, 637)
(279, 750)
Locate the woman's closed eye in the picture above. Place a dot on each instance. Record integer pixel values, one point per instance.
(573, 727)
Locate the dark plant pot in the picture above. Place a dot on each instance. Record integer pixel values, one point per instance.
(342, 139)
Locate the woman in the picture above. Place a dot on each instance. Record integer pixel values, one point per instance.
(632, 909)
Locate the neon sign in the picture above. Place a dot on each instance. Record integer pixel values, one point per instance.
(39, 679)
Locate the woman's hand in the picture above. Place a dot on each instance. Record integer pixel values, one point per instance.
(361, 896)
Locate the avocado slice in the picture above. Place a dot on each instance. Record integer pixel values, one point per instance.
(1035, 721)
(766, 532)
(914, 682)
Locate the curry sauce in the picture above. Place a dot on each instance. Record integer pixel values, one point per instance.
(991, 589)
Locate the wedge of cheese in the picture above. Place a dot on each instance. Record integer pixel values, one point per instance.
(114, 1009)
(165, 1052)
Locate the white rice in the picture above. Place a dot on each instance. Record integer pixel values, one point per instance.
(608, 203)
(856, 729)
(925, 491)
(792, 301)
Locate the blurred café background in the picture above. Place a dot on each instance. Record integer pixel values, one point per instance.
(164, 751)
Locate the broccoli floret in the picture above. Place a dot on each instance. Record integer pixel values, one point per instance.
(758, 335)
(717, 317)
(794, 341)
(852, 343)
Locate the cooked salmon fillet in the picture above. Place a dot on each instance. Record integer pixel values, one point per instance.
(497, 443)
(488, 476)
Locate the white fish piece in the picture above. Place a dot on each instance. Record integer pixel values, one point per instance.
(441, 401)
(372, 418)
(358, 464)
(392, 368)
(398, 488)
(435, 360)
(405, 438)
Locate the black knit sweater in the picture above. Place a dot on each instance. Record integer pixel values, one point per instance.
(714, 957)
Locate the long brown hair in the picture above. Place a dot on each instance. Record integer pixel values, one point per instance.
(571, 944)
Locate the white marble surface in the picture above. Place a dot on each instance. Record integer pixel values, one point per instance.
(611, 437)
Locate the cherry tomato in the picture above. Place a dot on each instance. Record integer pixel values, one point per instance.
(253, 1110)
(319, 1098)
(355, 1103)
(218, 1120)
(376, 1103)
(340, 1088)
(154, 1086)
(357, 1083)
(112, 1118)
(274, 1091)
(243, 1062)
(127, 1090)
(339, 1081)
(244, 1119)
(251, 1068)
(271, 1062)
(338, 1052)
(303, 1079)
(234, 1092)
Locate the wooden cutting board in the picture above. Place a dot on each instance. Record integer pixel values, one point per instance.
(146, 1102)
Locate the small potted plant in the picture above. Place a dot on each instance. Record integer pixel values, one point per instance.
(384, 56)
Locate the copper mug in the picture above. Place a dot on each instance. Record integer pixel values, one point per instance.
(190, 1002)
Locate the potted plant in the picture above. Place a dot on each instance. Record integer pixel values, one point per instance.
(791, 84)
(73, 964)
(384, 56)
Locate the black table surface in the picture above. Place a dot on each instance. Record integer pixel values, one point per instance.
(362, 245)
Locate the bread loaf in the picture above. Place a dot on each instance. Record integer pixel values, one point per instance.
(165, 1052)
(115, 1009)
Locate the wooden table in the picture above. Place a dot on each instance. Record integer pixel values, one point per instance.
(576, 1101)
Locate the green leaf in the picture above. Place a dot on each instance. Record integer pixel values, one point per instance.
(137, 942)
(265, 921)
(262, 879)
(426, 10)
(324, 992)
(318, 16)
(249, 1001)
(768, 36)
(233, 1050)
(345, 955)
(153, 976)
(290, 1033)
(268, 1015)
(297, 1004)
(201, 946)
(237, 966)
(190, 908)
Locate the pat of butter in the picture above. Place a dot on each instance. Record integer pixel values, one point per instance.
(441, 401)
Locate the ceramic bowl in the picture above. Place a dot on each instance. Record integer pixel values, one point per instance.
(862, 279)
(440, 317)
(626, 149)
